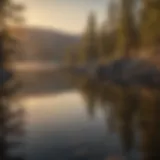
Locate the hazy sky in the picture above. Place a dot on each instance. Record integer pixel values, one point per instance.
(66, 15)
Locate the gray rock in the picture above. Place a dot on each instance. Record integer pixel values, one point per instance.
(4, 76)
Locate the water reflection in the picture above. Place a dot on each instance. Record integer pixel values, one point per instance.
(133, 113)
(11, 128)
(62, 130)
(95, 122)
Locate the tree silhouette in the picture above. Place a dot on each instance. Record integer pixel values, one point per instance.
(108, 33)
(89, 50)
(149, 26)
(127, 31)
(11, 115)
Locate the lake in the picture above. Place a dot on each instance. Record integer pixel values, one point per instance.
(60, 127)
(87, 120)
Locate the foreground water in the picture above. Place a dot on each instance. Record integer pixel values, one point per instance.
(91, 121)
(61, 127)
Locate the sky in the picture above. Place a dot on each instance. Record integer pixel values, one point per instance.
(66, 15)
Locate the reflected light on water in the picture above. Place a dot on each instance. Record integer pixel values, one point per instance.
(53, 109)
(32, 101)
(61, 121)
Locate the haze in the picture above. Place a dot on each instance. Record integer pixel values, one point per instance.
(66, 15)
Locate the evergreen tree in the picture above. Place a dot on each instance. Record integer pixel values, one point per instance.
(10, 116)
(89, 40)
(150, 25)
(127, 31)
(108, 34)
(108, 41)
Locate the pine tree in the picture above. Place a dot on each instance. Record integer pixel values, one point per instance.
(150, 25)
(108, 44)
(108, 34)
(10, 116)
(127, 31)
(89, 41)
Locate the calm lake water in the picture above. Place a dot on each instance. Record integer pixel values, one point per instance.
(60, 127)
(93, 122)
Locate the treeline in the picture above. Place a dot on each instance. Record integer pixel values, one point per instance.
(131, 30)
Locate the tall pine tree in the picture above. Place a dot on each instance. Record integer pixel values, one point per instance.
(108, 33)
(89, 41)
(10, 115)
(127, 32)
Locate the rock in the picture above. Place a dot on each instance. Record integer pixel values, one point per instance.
(130, 72)
(125, 71)
(4, 76)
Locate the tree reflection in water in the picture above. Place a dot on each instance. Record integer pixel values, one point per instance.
(11, 126)
(131, 111)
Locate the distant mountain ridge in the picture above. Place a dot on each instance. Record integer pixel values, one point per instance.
(45, 44)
